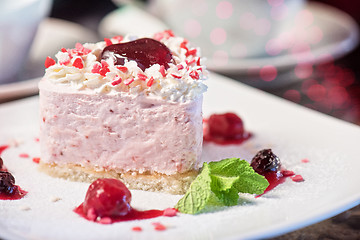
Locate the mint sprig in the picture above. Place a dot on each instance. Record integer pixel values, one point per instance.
(219, 184)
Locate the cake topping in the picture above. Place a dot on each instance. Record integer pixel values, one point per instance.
(164, 66)
(144, 51)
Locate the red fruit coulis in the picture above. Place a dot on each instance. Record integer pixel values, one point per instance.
(132, 215)
(225, 129)
(17, 194)
(3, 147)
(275, 179)
(108, 201)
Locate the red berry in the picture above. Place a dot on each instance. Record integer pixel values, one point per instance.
(7, 183)
(228, 126)
(265, 161)
(49, 62)
(107, 198)
(145, 51)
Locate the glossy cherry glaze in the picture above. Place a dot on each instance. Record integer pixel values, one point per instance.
(144, 51)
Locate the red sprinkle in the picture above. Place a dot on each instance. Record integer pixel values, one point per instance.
(198, 62)
(78, 63)
(191, 62)
(305, 160)
(158, 226)
(162, 70)
(63, 49)
(142, 76)
(96, 68)
(170, 212)
(103, 71)
(297, 178)
(150, 82)
(180, 67)
(49, 62)
(122, 68)
(191, 52)
(287, 173)
(36, 159)
(183, 45)
(117, 80)
(107, 41)
(24, 155)
(176, 76)
(136, 229)
(194, 75)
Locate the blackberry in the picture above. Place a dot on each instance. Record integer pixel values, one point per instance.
(7, 182)
(265, 161)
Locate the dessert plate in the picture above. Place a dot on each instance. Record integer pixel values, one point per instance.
(294, 133)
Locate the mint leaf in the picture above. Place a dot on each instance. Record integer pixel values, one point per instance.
(219, 184)
(248, 180)
(198, 194)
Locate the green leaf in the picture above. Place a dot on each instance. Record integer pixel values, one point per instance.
(219, 184)
(198, 194)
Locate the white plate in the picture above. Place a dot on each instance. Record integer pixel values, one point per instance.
(340, 36)
(331, 177)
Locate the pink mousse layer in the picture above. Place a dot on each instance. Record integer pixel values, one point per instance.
(119, 131)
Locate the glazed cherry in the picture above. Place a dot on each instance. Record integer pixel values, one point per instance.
(7, 183)
(145, 51)
(228, 126)
(107, 198)
(265, 161)
(1, 163)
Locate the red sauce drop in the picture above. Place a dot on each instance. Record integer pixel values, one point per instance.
(18, 193)
(276, 178)
(225, 129)
(2, 148)
(132, 215)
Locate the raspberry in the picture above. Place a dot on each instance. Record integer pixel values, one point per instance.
(265, 161)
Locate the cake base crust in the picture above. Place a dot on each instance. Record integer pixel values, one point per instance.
(173, 184)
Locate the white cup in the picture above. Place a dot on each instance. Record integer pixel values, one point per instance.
(19, 20)
(228, 28)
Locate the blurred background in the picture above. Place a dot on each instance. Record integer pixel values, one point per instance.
(304, 51)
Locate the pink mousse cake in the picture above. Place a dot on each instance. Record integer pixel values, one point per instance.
(128, 108)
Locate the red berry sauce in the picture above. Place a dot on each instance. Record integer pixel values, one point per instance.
(225, 129)
(145, 51)
(108, 201)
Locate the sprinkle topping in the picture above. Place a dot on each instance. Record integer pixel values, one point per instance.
(178, 78)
